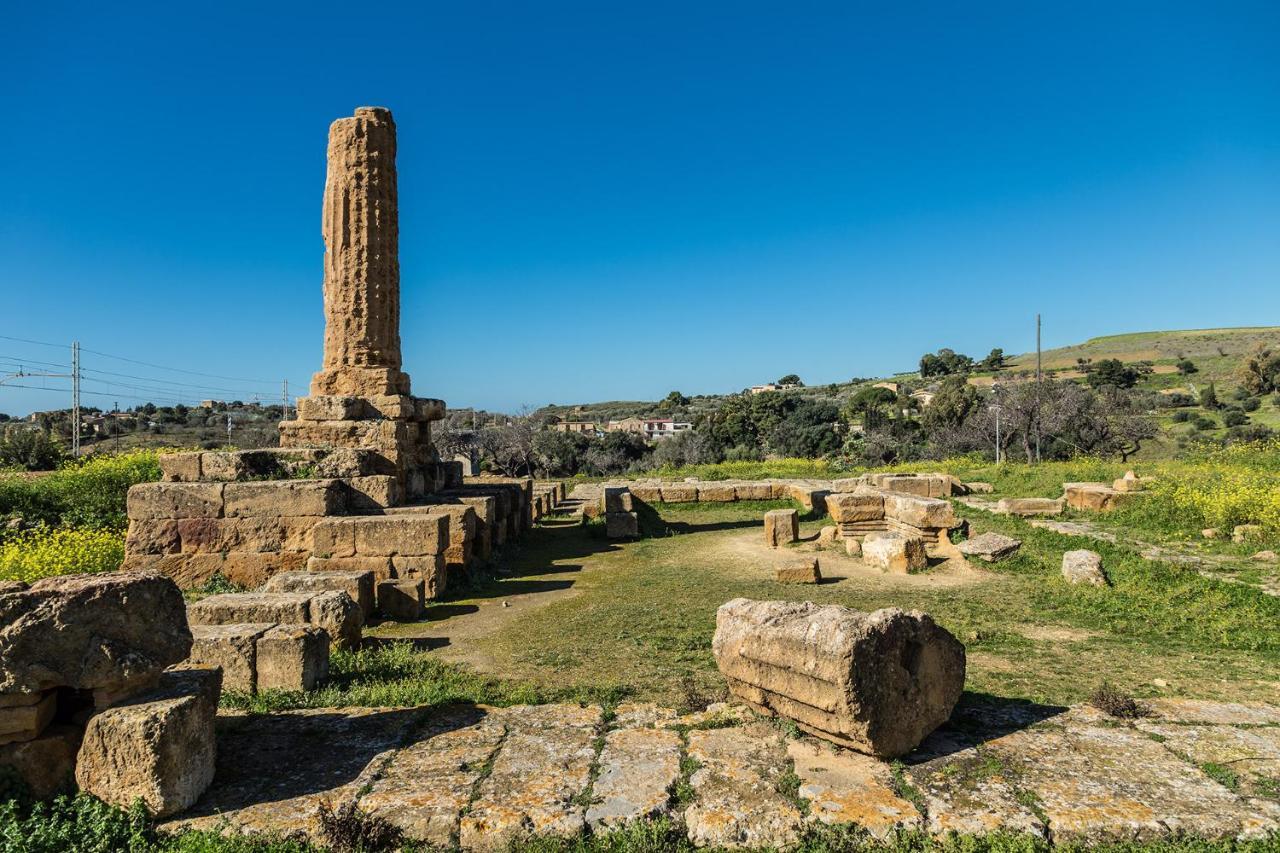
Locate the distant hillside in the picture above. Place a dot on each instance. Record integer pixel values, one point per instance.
(1215, 352)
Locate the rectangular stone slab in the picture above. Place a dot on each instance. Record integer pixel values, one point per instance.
(637, 768)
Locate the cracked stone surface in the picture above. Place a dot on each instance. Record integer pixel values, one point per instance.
(967, 790)
(424, 789)
(479, 777)
(1095, 783)
(638, 767)
(737, 799)
(537, 777)
(848, 787)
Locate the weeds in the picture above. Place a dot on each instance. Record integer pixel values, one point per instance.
(348, 829)
(1117, 703)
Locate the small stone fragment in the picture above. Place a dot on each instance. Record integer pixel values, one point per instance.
(1083, 566)
(1265, 557)
(828, 535)
(852, 547)
(801, 571)
(990, 547)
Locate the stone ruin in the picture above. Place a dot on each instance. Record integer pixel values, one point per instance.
(354, 515)
(875, 682)
(87, 692)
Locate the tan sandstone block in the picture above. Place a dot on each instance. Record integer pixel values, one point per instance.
(401, 535)
(401, 600)
(717, 492)
(233, 648)
(781, 527)
(154, 536)
(855, 506)
(292, 657)
(175, 500)
(179, 467)
(917, 511)
(325, 407)
(753, 491)
(375, 492)
(45, 764)
(678, 493)
(26, 722)
(616, 499)
(801, 571)
(431, 568)
(159, 748)
(285, 497)
(356, 584)
(894, 552)
(380, 567)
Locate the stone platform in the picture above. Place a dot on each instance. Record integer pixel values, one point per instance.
(478, 777)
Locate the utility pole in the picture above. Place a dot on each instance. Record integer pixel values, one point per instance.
(284, 408)
(228, 429)
(75, 399)
(1039, 387)
(997, 411)
(115, 426)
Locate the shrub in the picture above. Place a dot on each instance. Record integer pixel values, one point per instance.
(1117, 703)
(29, 449)
(1203, 423)
(1250, 404)
(45, 552)
(1235, 418)
(88, 493)
(1181, 416)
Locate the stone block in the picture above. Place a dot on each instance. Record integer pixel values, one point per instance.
(431, 569)
(401, 600)
(622, 525)
(919, 512)
(829, 535)
(292, 657)
(380, 567)
(978, 488)
(338, 614)
(801, 571)
(651, 494)
(285, 497)
(419, 534)
(179, 467)
(875, 682)
(45, 764)
(231, 647)
(852, 547)
(781, 527)
(1030, 506)
(240, 607)
(895, 552)
(158, 747)
(155, 536)
(864, 505)
(175, 500)
(616, 499)
(678, 493)
(753, 491)
(1083, 566)
(358, 585)
(990, 547)
(26, 722)
(330, 408)
(717, 492)
(90, 631)
(372, 493)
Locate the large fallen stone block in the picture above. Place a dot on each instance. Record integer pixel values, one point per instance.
(990, 547)
(357, 584)
(1097, 497)
(233, 648)
(1083, 566)
(91, 632)
(158, 747)
(781, 527)
(876, 682)
(917, 511)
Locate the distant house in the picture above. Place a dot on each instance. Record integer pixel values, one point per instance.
(584, 427)
(923, 397)
(656, 428)
(626, 425)
(772, 386)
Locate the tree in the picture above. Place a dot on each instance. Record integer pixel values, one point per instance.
(950, 407)
(994, 360)
(1259, 373)
(509, 445)
(944, 363)
(809, 431)
(1187, 367)
(1209, 397)
(29, 449)
(790, 379)
(674, 400)
(1113, 372)
(559, 454)
(868, 406)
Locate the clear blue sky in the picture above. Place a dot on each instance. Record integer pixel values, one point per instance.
(610, 201)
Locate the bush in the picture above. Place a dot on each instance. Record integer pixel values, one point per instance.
(1203, 423)
(29, 449)
(1118, 704)
(1250, 404)
(1181, 416)
(89, 493)
(1235, 418)
(45, 552)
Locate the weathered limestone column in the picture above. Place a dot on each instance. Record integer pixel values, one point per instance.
(361, 262)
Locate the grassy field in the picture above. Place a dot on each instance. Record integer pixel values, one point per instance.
(636, 619)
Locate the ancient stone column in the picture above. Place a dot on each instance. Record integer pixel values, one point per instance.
(361, 261)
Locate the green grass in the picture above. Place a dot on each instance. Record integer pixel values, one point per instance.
(642, 614)
(90, 493)
(396, 675)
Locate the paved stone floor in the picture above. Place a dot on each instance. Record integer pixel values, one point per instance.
(477, 777)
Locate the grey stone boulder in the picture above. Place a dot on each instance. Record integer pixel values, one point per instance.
(1084, 566)
(991, 547)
